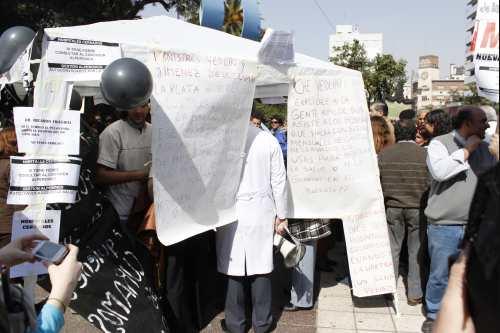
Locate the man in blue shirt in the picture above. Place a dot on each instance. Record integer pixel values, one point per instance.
(279, 133)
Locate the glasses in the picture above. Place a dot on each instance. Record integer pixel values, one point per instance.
(274, 122)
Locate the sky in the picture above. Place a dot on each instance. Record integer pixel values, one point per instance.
(410, 28)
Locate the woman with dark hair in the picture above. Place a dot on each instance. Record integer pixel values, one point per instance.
(437, 122)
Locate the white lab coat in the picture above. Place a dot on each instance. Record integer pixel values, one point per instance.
(245, 247)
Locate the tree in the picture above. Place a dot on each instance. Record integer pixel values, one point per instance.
(351, 56)
(384, 77)
(52, 13)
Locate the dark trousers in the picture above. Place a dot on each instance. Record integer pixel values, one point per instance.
(260, 289)
(400, 222)
(188, 278)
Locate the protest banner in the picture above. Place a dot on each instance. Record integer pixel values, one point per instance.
(333, 170)
(47, 132)
(33, 180)
(200, 114)
(28, 222)
(79, 59)
(484, 46)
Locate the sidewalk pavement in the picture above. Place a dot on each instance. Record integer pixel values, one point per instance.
(335, 311)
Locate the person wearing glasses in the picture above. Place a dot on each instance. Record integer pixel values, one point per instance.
(279, 133)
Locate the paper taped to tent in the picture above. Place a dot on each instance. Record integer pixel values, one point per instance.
(204, 83)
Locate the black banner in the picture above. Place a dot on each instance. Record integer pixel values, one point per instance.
(114, 292)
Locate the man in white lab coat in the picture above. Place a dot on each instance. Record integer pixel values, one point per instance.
(245, 247)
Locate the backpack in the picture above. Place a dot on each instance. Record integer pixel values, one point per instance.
(17, 310)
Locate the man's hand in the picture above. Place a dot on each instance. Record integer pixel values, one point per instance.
(280, 225)
(19, 250)
(472, 143)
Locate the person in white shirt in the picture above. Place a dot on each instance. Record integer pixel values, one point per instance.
(245, 247)
(455, 161)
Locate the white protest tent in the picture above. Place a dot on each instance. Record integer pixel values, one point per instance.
(137, 38)
(169, 33)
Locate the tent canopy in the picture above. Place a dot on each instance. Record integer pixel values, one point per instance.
(169, 33)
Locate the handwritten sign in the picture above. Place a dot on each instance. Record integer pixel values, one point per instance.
(330, 147)
(47, 133)
(79, 59)
(200, 109)
(369, 252)
(50, 180)
(30, 222)
(333, 171)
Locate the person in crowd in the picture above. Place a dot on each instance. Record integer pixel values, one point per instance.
(279, 133)
(381, 133)
(492, 117)
(245, 247)
(404, 179)
(124, 153)
(422, 137)
(408, 114)
(437, 122)
(382, 110)
(8, 147)
(63, 278)
(256, 118)
(455, 160)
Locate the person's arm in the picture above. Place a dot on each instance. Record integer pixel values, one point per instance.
(107, 162)
(108, 176)
(50, 319)
(442, 165)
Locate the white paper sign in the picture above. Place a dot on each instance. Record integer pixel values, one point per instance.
(47, 132)
(486, 62)
(277, 48)
(200, 108)
(19, 69)
(28, 222)
(333, 170)
(331, 159)
(33, 180)
(78, 59)
(369, 252)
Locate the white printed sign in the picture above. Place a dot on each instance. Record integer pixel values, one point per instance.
(333, 170)
(79, 59)
(28, 222)
(200, 108)
(47, 132)
(33, 180)
(486, 63)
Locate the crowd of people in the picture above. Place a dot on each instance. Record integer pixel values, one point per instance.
(430, 166)
(429, 179)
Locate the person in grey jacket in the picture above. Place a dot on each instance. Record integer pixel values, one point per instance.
(455, 161)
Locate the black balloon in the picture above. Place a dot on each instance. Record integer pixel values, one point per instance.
(13, 42)
(126, 83)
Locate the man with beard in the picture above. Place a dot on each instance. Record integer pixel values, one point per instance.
(455, 161)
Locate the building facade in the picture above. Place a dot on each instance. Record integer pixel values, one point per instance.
(431, 91)
(346, 34)
(456, 72)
